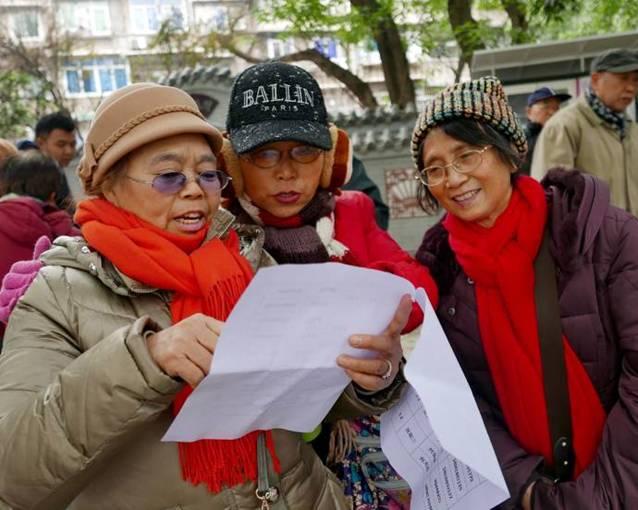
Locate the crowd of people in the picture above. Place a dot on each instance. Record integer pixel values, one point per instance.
(113, 305)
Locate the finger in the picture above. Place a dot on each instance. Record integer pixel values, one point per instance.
(199, 355)
(187, 370)
(383, 344)
(401, 316)
(376, 367)
(205, 337)
(368, 382)
(208, 322)
(214, 325)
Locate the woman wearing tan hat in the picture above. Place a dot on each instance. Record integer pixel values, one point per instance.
(98, 349)
(538, 290)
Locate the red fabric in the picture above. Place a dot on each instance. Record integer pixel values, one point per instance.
(23, 220)
(371, 246)
(500, 261)
(276, 221)
(207, 278)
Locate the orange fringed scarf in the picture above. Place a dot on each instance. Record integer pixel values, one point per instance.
(500, 260)
(206, 278)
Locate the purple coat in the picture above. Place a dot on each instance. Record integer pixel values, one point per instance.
(595, 249)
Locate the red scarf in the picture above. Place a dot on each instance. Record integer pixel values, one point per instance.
(207, 278)
(500, 260)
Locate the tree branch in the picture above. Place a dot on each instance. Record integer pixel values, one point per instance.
(356, 85)
(517, 14)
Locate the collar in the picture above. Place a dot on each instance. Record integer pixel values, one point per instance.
(614, 119)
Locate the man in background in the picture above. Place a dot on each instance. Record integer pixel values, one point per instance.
(594, 134)
(541, 105)
(55, 137)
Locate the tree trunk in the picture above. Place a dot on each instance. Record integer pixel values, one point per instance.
(516, 11)
(396, 68)
(465, 28)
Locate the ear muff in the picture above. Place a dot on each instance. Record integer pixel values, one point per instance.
(228, 161)
(337, 168)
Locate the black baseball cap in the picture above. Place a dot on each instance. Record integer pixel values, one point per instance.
(275, 101)
(618, 60)
(546, 93)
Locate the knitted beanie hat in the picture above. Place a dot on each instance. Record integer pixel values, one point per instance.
(135, 116)
(483, 100)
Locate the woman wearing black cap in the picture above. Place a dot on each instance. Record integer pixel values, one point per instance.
(287, 163)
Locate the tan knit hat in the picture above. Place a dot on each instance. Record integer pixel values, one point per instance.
(135, 116)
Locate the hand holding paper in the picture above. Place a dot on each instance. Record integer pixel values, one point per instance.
(375, 374)
(275, 362)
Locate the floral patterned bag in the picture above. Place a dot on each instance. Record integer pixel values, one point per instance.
(370, 482)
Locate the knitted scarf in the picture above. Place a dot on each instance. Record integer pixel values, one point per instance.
(207, 278)
(614, 119)
(500, 260)
(307, 237)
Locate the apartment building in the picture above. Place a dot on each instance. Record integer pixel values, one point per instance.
(110, 45)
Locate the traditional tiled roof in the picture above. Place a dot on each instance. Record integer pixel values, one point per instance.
(198, 74)
(385, 128)
(382, 129)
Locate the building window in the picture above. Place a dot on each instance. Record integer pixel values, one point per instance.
(211, 17)
(148, 15)
(86, 17)
(95, 76)
(25, 23)
(327, 47)
(277, 48)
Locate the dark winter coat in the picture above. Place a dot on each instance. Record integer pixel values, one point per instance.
(360, 181)
(532, 130)
(595, 249)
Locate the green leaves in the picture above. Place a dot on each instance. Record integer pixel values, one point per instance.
(20, 103)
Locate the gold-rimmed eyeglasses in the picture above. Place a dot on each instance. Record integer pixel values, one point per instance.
(269, 157)
(464, 163)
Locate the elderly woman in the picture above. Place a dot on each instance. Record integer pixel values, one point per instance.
(468, 145)
(100, 347)
(287, 164)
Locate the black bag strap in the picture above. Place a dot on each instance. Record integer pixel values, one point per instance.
(553, 361)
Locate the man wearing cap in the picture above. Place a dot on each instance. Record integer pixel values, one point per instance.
(594, 134)
(541, 105)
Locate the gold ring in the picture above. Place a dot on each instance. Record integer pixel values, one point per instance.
(389, 371)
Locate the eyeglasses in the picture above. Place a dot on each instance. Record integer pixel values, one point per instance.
(268, 158)
(462, 164)
(172, 182)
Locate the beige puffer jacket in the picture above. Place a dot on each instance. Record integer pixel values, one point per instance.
(83, 406)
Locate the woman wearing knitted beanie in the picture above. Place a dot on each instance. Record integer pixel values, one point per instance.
(287, 163)
(122, 322)
(538, 289)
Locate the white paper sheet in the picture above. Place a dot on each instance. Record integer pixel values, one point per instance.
(275, 362)
(445, 453)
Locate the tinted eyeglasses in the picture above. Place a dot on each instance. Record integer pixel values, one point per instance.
(169, 183)
(269, 157)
